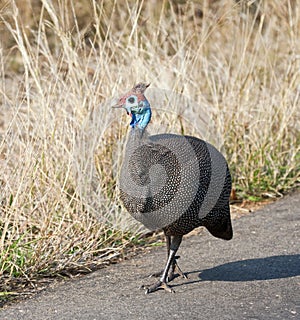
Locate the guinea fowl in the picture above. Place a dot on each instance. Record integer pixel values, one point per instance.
(172, 182)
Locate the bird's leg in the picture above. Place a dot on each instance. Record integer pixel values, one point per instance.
(162, 283)
(174, 266)
(171, 274)
(159, 273)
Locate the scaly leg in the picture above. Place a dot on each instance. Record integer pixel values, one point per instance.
(174, 266)
(162, 283)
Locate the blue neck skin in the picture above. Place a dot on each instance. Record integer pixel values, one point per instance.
(140, 120)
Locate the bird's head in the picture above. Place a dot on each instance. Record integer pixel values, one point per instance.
(136, 105)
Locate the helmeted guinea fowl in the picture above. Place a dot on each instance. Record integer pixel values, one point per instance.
(172, 182)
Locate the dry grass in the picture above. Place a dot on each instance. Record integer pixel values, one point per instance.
(237, 66)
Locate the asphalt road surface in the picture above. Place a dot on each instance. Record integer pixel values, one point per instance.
(254, 276)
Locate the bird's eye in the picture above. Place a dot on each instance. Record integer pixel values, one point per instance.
(131, 100)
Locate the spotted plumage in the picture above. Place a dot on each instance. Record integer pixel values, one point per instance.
(172, 182)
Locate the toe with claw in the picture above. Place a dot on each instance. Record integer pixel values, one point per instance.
(156, 286)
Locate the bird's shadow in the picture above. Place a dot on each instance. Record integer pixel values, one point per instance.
(275, 267)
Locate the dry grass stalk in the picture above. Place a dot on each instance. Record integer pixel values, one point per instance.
(61, 147)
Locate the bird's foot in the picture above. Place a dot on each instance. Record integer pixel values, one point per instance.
(179, 272)
(156, 286)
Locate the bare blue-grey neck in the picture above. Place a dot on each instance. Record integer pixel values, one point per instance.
(141, 115)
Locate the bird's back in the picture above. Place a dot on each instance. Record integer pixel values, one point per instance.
(176, 183)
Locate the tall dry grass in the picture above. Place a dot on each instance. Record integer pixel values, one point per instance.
(233, 68)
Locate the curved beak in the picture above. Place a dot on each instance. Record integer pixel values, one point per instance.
(121, 106)
(117, 105)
